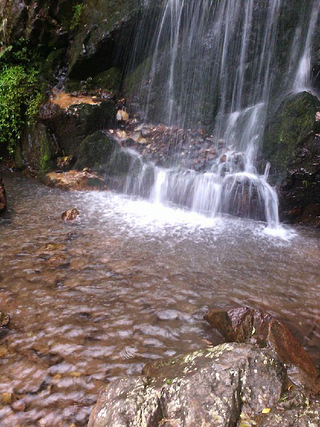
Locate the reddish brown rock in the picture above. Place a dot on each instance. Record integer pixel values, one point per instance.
(249, 325)
(76, 180)
(70, 214)
(3, 198)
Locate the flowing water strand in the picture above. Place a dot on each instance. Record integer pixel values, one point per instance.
(302, 81)
(216, 64)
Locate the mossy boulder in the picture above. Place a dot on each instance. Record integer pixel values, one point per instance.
(109, 80)
(37, 148)
(95, 149)
(292, 122)
(292, 145)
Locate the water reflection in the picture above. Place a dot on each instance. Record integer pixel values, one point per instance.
(127, 283)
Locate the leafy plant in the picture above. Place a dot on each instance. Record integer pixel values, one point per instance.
(20, 94)
(77, 14)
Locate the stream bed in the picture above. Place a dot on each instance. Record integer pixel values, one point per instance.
(126, 283)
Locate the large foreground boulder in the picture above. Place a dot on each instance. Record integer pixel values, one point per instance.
(210, 387)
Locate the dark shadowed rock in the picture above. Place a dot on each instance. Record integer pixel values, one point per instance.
(208, 387)
(3, 198)
(94, 150)
(249, 325)
(292, 145)
(72, 123)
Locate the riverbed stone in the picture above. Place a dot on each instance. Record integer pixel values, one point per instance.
(244, 324)
(70, 214)
(4, 319)
(204, 388)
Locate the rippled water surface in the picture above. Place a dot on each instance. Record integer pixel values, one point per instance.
(126, 283)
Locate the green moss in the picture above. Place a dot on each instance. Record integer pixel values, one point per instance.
(133, 81)
(293, 121)
(109, 80)
(45, 163)
(95, 149)
(77, 15)
(20, 93)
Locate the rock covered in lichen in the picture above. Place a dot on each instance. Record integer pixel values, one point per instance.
(207, 387)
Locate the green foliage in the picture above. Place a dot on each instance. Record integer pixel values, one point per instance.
(77, 14)
(20, 94)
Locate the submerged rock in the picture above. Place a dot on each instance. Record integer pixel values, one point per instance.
(208, 387)
(4, 319)
(3, 198)
(249, 325)
(76, 180)
(70, 214)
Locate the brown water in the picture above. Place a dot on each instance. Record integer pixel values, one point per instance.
(127, 283)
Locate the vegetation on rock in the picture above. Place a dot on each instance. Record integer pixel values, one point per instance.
(20, 94)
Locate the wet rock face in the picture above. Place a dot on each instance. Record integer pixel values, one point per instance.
(105, 22)
(72, 124)
(249, 325)
(3, 198)
(41, 22)
(95, 149)
(300, 191)
(207, 387)
(292, 146)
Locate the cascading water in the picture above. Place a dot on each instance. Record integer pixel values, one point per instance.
(220, 64)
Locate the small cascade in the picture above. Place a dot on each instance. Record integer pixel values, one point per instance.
(220, 65)
(227, 188)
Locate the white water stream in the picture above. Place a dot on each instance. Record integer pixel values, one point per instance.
(218, 64)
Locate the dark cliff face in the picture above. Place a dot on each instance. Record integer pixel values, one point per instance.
(45, 23)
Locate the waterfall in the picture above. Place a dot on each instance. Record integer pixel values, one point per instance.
(219, 65)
